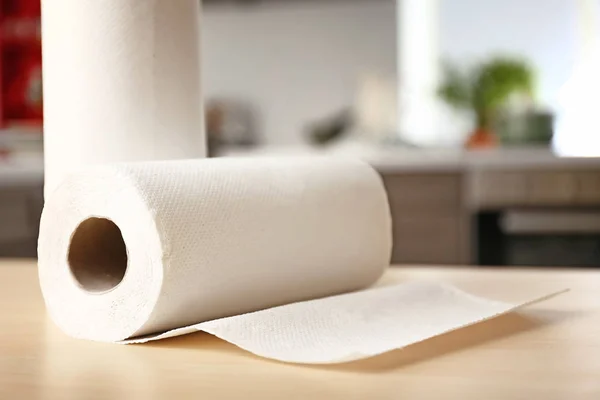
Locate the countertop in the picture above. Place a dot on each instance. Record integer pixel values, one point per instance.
(385, 159)
(21, 173)
(549, 351)
(24, 164)
(399, 159)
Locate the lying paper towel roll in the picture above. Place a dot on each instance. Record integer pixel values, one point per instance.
(134, 249)
(148, 251)
(121, 83)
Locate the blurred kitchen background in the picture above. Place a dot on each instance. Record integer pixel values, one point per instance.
(482, 116)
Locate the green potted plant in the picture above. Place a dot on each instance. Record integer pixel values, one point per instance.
(484, 90)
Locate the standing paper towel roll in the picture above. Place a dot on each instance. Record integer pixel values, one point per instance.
(135, 249)
(121, 82)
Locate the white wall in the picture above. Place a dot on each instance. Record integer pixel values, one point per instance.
(295, 62)
(300, 61)
(543, 30)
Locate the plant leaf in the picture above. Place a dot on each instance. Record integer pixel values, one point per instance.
(456, 89)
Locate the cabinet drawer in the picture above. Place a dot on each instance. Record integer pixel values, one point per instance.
(551, 188)
(497, 188)
(423, 194)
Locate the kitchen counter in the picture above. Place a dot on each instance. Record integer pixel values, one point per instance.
(385, 159)
(549, 351)
(398, 159)
(25, 164)
(21, 173)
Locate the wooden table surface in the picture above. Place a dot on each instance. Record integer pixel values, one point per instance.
(549, 351)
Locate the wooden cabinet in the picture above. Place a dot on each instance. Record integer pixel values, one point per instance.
(432, 211)
(20, 210)
(429, 225)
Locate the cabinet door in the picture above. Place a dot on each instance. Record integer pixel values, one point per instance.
(427, 218)
(15, 222)
(20, 210)
(424, 194)
(427, 240)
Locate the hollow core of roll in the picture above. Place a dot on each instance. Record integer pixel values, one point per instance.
(97, 255)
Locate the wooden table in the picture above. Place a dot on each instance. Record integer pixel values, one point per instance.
(549, 351)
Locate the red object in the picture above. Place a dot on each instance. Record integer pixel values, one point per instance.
(482, 139)
(20, 63)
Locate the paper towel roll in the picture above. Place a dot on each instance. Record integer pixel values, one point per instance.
(139, 248)
(121, 82)
(147, 251)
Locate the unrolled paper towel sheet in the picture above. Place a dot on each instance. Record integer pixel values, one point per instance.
(246, 249)
(121, 83)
